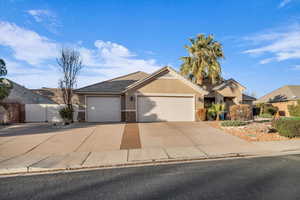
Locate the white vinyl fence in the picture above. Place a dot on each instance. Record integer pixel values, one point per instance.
(45, 112)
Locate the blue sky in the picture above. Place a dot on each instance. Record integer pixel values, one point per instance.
(261, 39)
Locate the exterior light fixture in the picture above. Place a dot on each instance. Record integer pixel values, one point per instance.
(131, 98)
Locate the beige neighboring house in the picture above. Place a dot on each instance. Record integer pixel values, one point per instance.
(282, 97)
(54, 94)
(164, 95)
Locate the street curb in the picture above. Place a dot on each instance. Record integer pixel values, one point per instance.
(36, 170)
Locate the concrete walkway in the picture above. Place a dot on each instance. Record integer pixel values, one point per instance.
(98, 145)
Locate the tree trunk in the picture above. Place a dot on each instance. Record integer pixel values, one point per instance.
(218, 117)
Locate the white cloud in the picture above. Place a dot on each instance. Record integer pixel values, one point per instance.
(113, 59)
(27, 45)
(33, 54)
(279, 45)
(47, 18)
(284, 3)
(17, 68)
(32, 77)
(39, 15)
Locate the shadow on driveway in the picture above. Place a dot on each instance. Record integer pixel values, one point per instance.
(41, 128)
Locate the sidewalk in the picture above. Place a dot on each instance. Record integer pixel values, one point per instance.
(81, 160)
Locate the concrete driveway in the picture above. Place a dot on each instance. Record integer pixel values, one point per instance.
(30, 147)
(207, 139)
(36, 139)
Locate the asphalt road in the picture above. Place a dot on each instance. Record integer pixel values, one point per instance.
(256, 178)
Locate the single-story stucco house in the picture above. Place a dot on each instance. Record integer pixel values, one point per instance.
(14, 104)
(164, 95)
(23, 95)
(54, 94)
(282, 97)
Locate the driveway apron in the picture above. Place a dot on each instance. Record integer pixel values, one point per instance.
(105, 137)
(160, 134)
(64, 142)
(213, 141)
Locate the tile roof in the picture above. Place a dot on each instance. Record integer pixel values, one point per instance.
(248, 98)
(225, 84)
(54, 94)
(285, 93)
(25, 96)
(116, 85)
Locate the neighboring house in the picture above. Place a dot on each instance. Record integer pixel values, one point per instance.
(54, 94)
(14, 104)
(164, 95)
(282, 97)
(248, 99)
(20, 94)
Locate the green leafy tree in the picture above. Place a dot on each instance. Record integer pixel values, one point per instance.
(5, 88)
(3, 70)
(203, 60)
(5, 85)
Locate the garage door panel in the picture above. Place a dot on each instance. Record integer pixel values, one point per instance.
(165, 109)
(103, 109)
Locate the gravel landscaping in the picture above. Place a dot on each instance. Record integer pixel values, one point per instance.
(254, 131)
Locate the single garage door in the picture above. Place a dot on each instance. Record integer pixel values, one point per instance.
(153, 108)
(103, 109)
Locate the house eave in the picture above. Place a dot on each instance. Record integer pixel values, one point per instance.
(194, 86)
(98, 93)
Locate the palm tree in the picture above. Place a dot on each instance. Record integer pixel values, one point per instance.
(203, 60)
(215, 110)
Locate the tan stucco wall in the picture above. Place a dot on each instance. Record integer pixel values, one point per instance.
(283, 106)
(166, 86)
(233, 90)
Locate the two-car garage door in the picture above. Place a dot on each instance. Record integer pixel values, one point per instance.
(165, 108)
(149, 108)
(103, 109)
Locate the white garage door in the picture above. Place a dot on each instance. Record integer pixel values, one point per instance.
(165, 109)
(103, 109)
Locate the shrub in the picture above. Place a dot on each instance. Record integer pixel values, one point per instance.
(263, 121)
(241, 112)
(287, 127)
(233, 123)
(266, 115)
(272, 110)
(202, 114)
(294, 110)
(269, 109)
(66, 114)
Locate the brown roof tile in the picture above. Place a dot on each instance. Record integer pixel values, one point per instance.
(115, 85)
(285, 93)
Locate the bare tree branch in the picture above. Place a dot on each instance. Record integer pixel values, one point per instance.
(70, 64)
